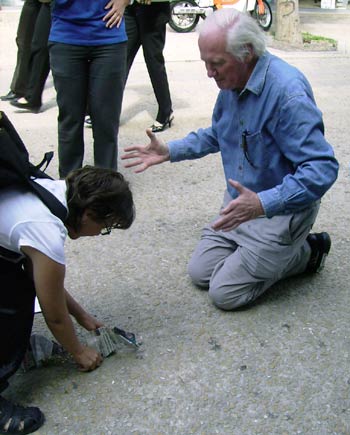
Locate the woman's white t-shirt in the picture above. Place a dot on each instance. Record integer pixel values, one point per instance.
(26, 221)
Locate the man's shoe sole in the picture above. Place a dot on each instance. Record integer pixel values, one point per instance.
(320, 244)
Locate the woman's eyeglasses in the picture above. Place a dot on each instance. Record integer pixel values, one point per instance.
(109, 227)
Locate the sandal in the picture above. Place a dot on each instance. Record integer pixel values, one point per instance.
(19, 420)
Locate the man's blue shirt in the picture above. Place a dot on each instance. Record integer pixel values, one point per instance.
(271, 139)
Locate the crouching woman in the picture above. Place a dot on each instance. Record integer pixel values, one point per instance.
(97, 201)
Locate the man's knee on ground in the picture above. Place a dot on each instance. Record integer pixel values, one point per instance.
(231, 297)
(197, 274)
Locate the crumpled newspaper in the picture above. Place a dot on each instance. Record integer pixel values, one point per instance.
(105, 340)
(40, 350)
(109, 340)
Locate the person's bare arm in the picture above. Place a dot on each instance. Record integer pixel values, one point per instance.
(49, 284)
(86, 320)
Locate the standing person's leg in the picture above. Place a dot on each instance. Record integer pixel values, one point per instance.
(106, 87)
(132, 31)
(16, 320)
(153, 32)
(25, 32)
(39, 64)
(70, 70)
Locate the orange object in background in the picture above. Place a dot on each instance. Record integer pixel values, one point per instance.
(261, 7)
(222, 3)
(219, 4)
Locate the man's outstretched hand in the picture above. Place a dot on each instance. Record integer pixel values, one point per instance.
(143, 157)
(245, 207)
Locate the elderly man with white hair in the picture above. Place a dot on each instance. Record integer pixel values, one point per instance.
(276, 160)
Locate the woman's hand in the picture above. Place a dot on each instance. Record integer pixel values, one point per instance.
(115, 13)
(88, 359)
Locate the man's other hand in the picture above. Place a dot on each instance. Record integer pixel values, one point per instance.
(245, 207)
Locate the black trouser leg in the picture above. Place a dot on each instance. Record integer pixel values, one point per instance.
(94, 75)
(134, 40)
(24, 37)
(106, 87)
(70, 70)
(39, 66)
(17, 297)
(153, 33)
(146, 26)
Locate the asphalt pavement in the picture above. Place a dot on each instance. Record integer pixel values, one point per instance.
(280, 367)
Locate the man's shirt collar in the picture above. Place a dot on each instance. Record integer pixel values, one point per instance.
(257, 79)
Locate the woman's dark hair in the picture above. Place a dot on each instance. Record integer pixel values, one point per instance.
(104, 192)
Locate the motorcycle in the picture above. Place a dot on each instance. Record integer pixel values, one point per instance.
(185, 14)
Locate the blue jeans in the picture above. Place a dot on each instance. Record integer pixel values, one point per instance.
(93, 76)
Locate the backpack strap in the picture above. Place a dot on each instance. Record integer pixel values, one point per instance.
(18, 170)
(51, 202)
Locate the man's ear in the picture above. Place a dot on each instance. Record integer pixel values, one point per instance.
(250, 56)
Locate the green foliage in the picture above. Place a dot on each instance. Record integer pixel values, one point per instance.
(308, 37)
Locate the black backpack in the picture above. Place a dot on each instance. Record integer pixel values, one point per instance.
(16, 169)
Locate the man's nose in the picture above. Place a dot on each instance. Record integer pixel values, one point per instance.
(211, 72)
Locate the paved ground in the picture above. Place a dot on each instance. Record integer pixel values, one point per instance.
(278, 368)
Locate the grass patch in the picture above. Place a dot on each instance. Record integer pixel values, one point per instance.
(308, 38)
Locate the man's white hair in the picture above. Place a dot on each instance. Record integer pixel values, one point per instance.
(243, 35)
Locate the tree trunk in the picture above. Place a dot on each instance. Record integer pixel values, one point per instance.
(288, 22)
